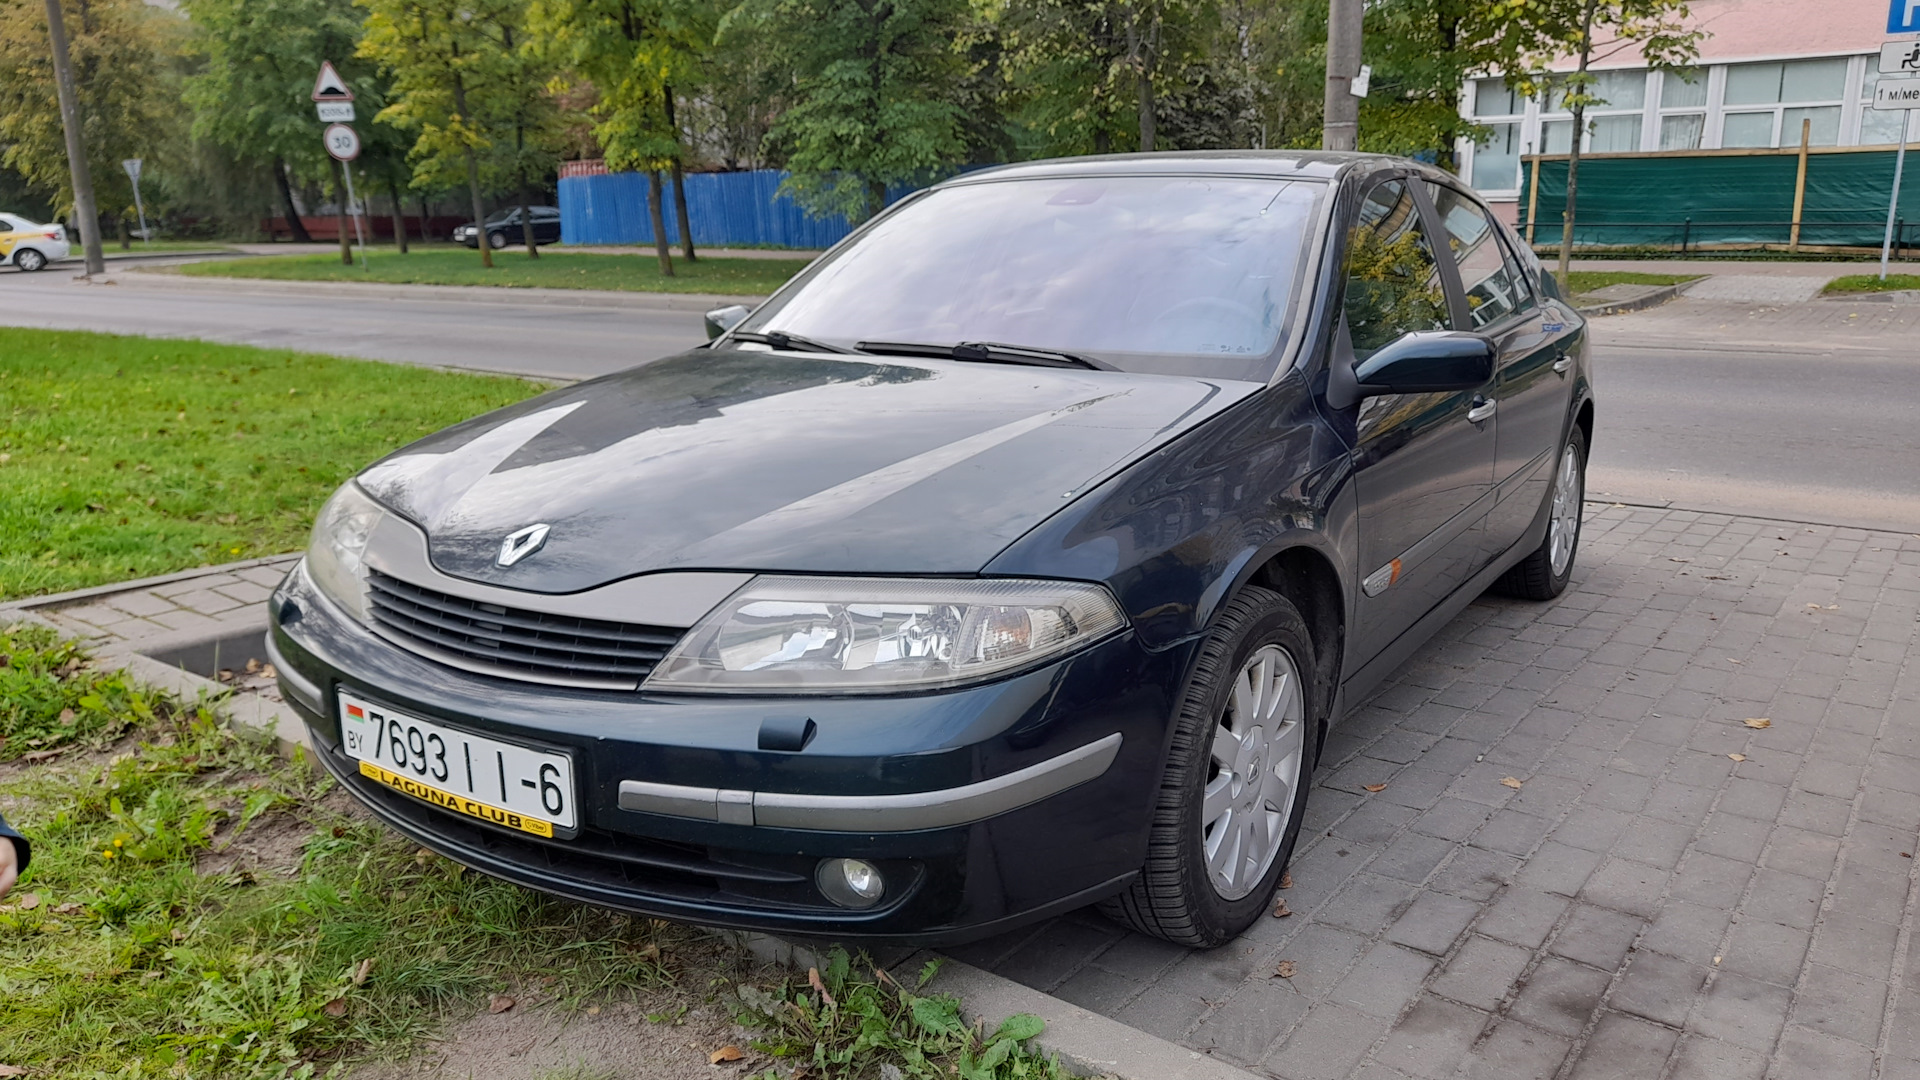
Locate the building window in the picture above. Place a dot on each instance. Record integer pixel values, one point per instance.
(1876, 127)
(1683, 104)
(1613, 123)
(1797, 90)
(1496, 158)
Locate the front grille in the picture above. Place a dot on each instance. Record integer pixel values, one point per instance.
(515, 643)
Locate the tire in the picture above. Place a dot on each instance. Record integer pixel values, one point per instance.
(1540, 576)
(29, 260)
(496, 240)
(1179, 895)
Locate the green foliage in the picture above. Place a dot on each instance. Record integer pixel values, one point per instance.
(124, 457)
(841, 1021)
(51, 696)
(1867, 283)
(635, 52)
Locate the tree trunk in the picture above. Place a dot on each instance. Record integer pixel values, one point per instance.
(85, 213)
(679, 184)
(126, 235)
(1146, 108)
(1573, 149)
(296, 229)
(424, 218)
(876, 198)
(346, 243)
(654, 196)
(526, 221)
(399, 212)
(1340, 119)
(479, 210)
(1102, 142)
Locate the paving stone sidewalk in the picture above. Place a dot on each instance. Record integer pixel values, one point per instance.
(208, 601)
(1669, 893)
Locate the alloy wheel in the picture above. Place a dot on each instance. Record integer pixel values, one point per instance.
(1565, 523)
(1257, 752)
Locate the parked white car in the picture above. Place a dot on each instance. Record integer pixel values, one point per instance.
(28, 245)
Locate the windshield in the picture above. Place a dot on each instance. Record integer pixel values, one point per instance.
(1186, 275)
(499, 216)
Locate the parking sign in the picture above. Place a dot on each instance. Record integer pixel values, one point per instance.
(1903, 16)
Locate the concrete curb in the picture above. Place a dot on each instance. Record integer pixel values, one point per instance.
(1660, 295)
(468, 294)
(1086, 1043)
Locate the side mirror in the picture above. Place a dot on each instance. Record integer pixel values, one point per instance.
(721, 320)
(1425, 362)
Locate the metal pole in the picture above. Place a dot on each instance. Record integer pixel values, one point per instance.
(140, 208)
(85, 215)
(359, 237)
(1340, 128)
(1893, 200)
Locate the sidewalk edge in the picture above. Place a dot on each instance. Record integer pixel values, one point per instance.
(468, 294)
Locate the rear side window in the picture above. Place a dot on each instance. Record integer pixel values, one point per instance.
(1496, 286)
(1393, 282)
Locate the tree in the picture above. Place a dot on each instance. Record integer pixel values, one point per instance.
(873, 95)
(1658, 29)
(469, 85)
(122, 57)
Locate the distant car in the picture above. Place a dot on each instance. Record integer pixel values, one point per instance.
(503, 228)
(30, 246)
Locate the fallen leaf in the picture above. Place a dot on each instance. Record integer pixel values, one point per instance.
(11, 1070)
(1906, 854)
(1512, 782)
(593, 1010)
(1833, 607)
(1731, 660)
(728, 1052)
(360, 973)
(1738, 757)
(1815, 607)
(67, 717)
(1758, 722)
(1285, 970)
(34, 757)
(267, 672)
(68, 909)
(253, 666)
(337, 1007)
(1281, 910)
(1286, 879)
(30, 901)
(650, 952)
(1374, 787)
(1716, 961)
(499, 1003)
(813, 980)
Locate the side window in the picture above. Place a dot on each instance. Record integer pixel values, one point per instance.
(1495, 284)
(1393, 283)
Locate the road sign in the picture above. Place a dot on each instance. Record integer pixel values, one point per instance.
(1893, 95)
(339, 112)
(132, 165)
(1903, 17)
(342, 142)
(1900, 58)
(329, 86)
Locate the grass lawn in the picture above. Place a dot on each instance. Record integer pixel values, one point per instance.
(513, 269)
(124, 457)
(1586, 281)
(1870, 283)
(199, 907)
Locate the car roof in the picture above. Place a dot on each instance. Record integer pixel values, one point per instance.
(1323, 165)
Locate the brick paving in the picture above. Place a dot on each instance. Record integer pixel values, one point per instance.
(1859, 324)
(208, 602)
(1670, 893)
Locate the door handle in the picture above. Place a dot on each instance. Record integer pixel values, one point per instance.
(1481, 410)
(1562, 365)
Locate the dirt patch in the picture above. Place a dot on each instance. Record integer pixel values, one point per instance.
(271, 843)
(546, 1042)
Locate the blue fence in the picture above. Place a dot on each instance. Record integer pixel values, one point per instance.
(725, 209)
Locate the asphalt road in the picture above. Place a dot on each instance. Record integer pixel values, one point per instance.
(1820, 434)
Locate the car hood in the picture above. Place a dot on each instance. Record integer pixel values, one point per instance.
(750, 460)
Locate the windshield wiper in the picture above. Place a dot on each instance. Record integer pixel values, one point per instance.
(786, 342)
(992, 352)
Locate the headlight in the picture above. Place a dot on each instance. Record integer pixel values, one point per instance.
(339, 540)
(852, 635)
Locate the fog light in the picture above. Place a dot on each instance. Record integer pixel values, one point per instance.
(851, 883)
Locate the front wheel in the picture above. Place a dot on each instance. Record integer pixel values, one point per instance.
(1544, 573)
(496, 240)
(1235, 787)
(29, 260)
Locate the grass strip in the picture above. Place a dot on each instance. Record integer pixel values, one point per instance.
(127, 457)
(1871, 283)
(1586, 281)
(139, 946)
(513, 269)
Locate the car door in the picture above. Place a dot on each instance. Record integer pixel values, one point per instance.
(1423, 463)
(546, 225)
(1532, 387)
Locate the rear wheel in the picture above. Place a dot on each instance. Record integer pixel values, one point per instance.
(496, 240)
(1544, 573)
(1235, 786)
(29, 260)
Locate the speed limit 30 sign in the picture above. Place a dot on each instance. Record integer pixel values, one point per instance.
(343, 143)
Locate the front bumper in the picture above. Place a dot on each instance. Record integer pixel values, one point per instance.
(983, 807)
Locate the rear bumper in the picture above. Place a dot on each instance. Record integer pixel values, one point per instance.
(984, 807)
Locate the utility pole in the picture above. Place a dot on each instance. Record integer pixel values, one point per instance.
(83, 209)
(1341, 127)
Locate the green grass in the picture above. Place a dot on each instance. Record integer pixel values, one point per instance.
(124, 457)
(1586, 281)
(1871, 283)
(513, 269)
(137, 947)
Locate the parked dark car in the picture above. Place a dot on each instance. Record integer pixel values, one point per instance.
(1014, 557)
(503, 228)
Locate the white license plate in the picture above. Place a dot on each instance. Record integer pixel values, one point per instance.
(499, 782)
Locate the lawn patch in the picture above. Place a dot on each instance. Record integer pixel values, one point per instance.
(1586, 281)
(512, 269)
(1871, 283)
(125, 457)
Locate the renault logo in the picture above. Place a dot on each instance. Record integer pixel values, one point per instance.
(522, 543)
